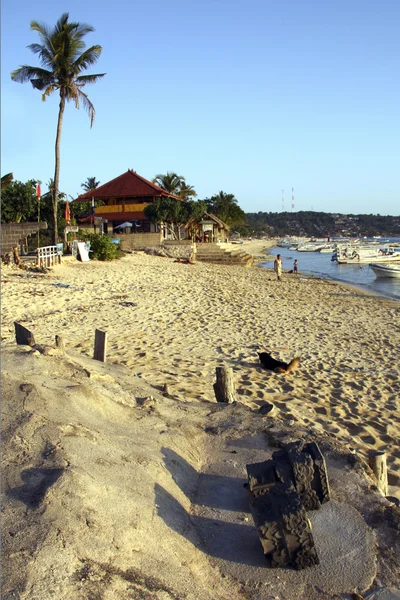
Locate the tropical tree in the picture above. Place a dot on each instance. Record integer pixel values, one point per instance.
(6, 181)
(91, 183)
(173, 212)
(225, 206)
(19, 202)
(63, 57)
(175, 184)
(187, 191)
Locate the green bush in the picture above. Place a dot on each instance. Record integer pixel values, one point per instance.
(102, 247)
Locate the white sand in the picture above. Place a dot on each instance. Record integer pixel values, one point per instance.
(115, 524)
(174, 323)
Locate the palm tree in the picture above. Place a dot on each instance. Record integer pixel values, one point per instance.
(171, 182)
(6, 181)
(187, 191)
(63, 56)
(91, 183)
(175, 184)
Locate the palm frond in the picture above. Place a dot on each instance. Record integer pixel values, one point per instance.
(6, 180)
(88, 58)
(27, 73)
(84, 79)
(88, 106)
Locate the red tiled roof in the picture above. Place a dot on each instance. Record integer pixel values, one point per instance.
(127, 185)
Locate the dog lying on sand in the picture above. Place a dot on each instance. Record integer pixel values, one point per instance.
(277, 366)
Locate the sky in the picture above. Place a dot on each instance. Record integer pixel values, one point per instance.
(252, 98)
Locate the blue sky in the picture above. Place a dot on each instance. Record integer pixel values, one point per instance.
(251, 98)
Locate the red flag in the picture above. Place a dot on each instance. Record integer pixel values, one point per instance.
(67, 212)
(38, 193)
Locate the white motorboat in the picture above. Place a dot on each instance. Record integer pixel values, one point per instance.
(386, 270)
(309, 247)
(354, 255)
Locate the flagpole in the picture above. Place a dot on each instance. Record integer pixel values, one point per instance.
(94, 226)
(38, 194)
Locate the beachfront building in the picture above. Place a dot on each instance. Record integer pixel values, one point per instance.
(208, 228)
(125, 199)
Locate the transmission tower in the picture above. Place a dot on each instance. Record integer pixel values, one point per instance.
(292, 198)
(283, 203)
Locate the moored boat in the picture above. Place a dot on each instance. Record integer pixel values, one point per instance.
(386, 270)
(363, 254)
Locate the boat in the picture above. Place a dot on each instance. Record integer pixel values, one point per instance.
(312, 247)
(329, 248)
(354, 255)
(386, 270)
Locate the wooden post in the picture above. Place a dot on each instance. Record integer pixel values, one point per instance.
(377, 462)
(60, 343)
(23, 336)
(224, 387)
(100, 345)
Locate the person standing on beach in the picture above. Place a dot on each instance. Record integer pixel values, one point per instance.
(278, 267)
(295, 265)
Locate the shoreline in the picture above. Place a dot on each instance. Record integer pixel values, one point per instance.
(325, 277)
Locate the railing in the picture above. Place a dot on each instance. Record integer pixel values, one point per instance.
(119, 208)
(48, 256)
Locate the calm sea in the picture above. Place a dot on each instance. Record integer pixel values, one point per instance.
(320, 265)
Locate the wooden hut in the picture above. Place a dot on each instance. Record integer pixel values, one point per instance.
(208, 228)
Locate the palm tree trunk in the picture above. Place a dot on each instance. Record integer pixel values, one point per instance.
(57, 167)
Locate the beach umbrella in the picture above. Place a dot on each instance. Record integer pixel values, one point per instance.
(126, 224)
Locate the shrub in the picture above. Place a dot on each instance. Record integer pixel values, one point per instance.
(103, 248)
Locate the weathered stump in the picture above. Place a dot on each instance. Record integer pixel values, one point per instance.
(377, 462)
(17, 259)
(23, 336)
(60, 343)
(224, 387)
(100, 345)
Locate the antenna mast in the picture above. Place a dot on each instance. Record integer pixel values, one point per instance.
(292, 198)
(283, 203)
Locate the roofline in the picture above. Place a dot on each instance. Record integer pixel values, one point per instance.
(87, 196)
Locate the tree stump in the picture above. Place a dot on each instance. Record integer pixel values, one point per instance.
(23, 336)
(60, 343)
(100, 345)
(377, 462)
(17, 259)
(224, 387)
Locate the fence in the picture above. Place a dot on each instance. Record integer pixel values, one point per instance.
(48, 256)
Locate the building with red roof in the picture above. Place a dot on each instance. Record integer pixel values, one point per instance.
(125, 199)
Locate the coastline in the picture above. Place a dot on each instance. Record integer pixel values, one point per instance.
(383, 291)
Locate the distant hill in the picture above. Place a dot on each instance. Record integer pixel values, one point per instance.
(321, 224)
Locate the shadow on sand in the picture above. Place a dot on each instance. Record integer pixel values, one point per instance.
(216, 515)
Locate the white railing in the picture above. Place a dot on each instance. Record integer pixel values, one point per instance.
(48, 256)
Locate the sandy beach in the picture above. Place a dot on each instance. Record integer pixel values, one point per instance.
(173, 323)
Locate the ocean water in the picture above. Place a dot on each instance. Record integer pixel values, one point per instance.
(320, 265)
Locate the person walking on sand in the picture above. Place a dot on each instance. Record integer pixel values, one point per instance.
(278, 267)
(295, 265)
